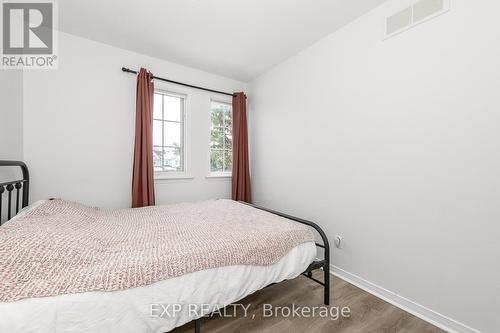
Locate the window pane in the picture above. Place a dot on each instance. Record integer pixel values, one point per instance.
(217, 118)
(172, 108)
(223, 107)
(157, 106)
(157, 155)
(172, 134)
(172, 159)
(168, 132)
(216, 160)
(228, 139)
(221, 137)
(217, 138)
(228, 160)
(157, 133)
(228, 119)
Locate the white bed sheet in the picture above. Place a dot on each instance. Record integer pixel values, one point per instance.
(130, 310)
(25, 210)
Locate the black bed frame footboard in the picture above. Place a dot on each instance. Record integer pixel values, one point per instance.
(18, 185)
(317, 264)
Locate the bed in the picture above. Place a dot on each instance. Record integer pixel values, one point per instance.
(68, 267)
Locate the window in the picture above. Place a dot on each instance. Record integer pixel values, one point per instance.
(168, 132)
(221, 139)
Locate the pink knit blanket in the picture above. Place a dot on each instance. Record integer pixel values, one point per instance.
(62, 247)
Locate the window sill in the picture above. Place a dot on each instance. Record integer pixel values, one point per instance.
(162, 177)
(219, 176)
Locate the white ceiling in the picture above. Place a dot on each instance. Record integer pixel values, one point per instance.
(239, 39)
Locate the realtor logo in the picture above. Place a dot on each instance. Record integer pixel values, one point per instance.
(28, 34)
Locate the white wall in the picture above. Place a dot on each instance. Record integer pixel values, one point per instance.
(79, 126)
(11, 125)
(11, 120)
(396, 146)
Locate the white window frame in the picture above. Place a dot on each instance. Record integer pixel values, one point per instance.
(185, 174)
(216, 174)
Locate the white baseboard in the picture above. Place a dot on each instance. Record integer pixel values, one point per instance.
(433, 317)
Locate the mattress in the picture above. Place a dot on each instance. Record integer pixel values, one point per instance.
(131, 310)
(136, 309)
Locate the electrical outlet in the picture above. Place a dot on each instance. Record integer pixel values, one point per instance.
(338, 241)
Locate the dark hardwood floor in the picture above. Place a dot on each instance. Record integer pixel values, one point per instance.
(367, 312)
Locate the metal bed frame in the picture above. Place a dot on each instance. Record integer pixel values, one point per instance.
(18, 185)
(22, 185)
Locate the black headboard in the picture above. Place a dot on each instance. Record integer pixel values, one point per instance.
(19, 185)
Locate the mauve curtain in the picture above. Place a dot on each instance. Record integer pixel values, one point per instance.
(143, 192)
(241, 170)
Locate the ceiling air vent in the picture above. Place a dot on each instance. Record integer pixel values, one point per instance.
(426, 8)
(399, 21)
(419, 12)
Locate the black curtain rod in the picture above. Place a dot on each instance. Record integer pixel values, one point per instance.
(180, 83)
